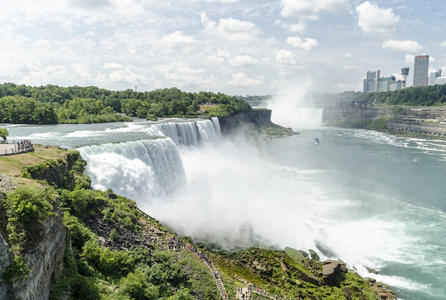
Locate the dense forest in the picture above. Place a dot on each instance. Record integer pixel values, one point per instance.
(53, 104)
(412, 96)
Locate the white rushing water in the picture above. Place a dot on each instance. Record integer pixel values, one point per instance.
(370, 199)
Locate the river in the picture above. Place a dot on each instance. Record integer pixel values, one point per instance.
(372, 200)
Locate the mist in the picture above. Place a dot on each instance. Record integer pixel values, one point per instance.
(293, 106)
(230, 184)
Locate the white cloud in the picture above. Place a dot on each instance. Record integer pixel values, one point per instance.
(403, 45)
(409, 59)
(308, 9)
(285, 57)
(177, 39)
(443, 44)
(305, 43)
(243, 60)
(112, 66)
(299, 27)
(241, 79)
(217, 1)
(126, 75)
(373, 19)
(231, 29)
(183, 75)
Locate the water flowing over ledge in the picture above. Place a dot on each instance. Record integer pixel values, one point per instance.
(135, 169)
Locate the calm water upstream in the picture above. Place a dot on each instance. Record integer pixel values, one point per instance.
(372, 200)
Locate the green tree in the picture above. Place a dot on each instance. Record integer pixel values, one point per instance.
(4, 133)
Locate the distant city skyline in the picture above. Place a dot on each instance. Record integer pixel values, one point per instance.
(238, 47)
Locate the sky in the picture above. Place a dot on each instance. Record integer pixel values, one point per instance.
(237, 47)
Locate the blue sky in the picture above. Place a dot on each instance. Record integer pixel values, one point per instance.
(238, 47)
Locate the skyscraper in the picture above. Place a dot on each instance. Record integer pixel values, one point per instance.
(371, 82)
(421, 68)
(405, 73)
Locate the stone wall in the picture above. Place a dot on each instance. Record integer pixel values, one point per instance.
(254, 117)
(417, 127)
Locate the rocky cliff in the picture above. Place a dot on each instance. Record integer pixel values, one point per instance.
(254, 117)
(4, 263)
(44, 261)
(370, 112)
(424, 120)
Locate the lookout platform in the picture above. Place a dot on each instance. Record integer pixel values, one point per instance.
(11, 149)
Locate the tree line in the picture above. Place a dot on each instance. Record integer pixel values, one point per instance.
(412, 96)
(52, 104)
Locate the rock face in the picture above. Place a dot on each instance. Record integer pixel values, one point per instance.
(257, 117)
(354, 112)
(45, 262)
(417, 127)
(331, 269)
(4, 263)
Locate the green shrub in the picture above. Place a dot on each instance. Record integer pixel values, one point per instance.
(18, 269)
(27, 207)
(136, 286)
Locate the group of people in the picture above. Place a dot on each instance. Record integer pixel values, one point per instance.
(175, 243)
(23, 145)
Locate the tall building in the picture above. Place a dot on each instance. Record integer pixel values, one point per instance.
(405, 73)
(391, 83)
(421, 68)
(371, 82)
(433, 76)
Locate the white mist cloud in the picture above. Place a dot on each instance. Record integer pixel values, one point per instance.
(403, 45)
(373, 19)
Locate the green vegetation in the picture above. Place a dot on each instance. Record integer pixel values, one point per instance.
(4, 134)
(412, 96)
(52, 104)
(27, 207)
(378, 124)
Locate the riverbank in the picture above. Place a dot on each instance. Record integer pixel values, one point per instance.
(405, 121)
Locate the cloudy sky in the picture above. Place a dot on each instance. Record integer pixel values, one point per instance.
(239, 47)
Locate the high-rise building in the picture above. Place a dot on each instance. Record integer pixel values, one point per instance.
(405, 73)
(433, 76)
(391, 83)
(421, 68)
(371, 82)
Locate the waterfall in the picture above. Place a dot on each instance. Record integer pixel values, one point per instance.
(136, 169)
(309, 116)
(188, 133)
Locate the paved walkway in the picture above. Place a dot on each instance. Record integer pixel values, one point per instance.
(9, 149)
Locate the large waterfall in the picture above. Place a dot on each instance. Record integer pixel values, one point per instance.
(309, 116)
(151, 167)
(136, 169)
(189, 133)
